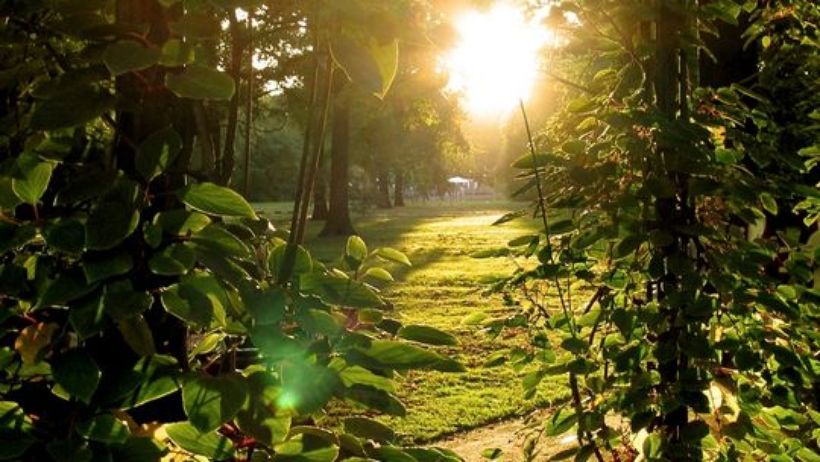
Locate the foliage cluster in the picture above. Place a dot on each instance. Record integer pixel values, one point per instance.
(145, 314)
(692, 217)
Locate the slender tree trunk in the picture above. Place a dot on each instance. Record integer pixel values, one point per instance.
(320, 209)
(383, 193)
(398, 192)
(228, 155)
(338, 218)
(246, 179)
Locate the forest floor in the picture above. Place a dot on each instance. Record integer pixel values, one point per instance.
(442, 289)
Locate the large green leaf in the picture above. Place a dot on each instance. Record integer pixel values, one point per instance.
(77, 373)
(98, 268)
(128, 56)
(109, 224)
(211, 401)
(427, 334)
(175, 260)
(393, 255)
(176, 53)
(365, 60)
(157, 152)
(66, 236)
(198, 299)
(339, 290)
(181, 221)
(207, 444)
(266, 306)
(32, 180)
(402, 356)
(216, 200)
(369, 429)
(104, 428)
(197, 82)
(71, 108)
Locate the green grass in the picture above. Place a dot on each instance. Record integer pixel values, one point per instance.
(441, 288)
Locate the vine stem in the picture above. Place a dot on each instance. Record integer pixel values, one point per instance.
(573, 378)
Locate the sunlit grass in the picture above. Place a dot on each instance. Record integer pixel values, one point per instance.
(441, 289)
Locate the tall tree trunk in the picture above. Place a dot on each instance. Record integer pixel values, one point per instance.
(320, 210)
(338, 217)
(246, 179)
(671, 99)
(383, 192)
(398, 191)
(237, 49)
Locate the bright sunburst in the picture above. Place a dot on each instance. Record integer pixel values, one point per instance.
(495, 61)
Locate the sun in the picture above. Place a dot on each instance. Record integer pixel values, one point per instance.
(495, 61)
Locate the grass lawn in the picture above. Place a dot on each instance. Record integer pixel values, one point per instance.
(441, 289)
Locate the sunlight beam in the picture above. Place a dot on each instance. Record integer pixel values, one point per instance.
(495, 61)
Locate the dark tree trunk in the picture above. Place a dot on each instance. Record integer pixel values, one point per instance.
(320, 209)
(338, 218)
(398, 192)
(383, 197)
(157, 110)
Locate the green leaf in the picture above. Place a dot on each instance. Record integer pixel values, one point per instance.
(198, 82)
(104, 428)
(129, 56)
(402, 356)
(72, 108)
(357, 375)
(137, 334)
(575, 345)
(427, 334)
(33, 178)
(492, 453)
(13, 418)
(561, 422)
(211, 401)
(379, 400)
(157, 152)
(77, 373)
(393, 255)
(266, 306)
(175, 260)
(176, 53)
(98, 269)
(207, 444)
(219, 240)
(356, 248)
(66, 236)
(367, 62)
(120, 301)
(339, 290)
(369, 429)
(768, 202)
(198, 300)
(379, 273)
(138, 449)
(725, 10)
(652, 446)
(216, 200)
(109, 224)
(180, 222)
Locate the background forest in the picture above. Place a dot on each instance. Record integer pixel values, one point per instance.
(651, 293)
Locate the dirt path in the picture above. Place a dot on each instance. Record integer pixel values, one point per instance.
(511, 436)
